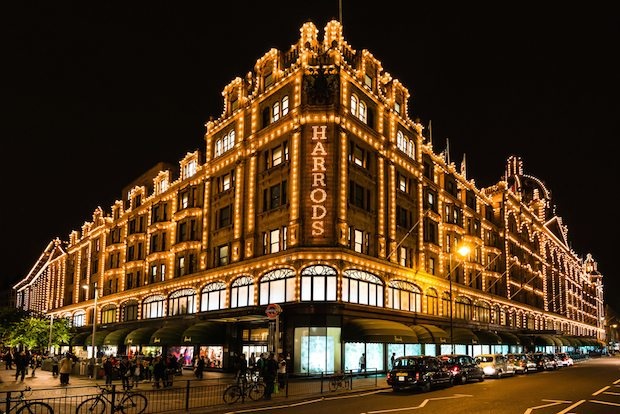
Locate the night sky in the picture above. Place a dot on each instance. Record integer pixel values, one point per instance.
(96, 94)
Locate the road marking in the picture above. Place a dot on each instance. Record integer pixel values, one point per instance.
(601, 390)
(275, 407)
(612, 393)
(616, 381)
(571, 407)
(553, 402)
(422, 404)
(605, 402)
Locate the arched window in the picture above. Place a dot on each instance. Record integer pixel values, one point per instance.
(213, 297)
(405, 144)
(129, 311)
(182, 302)
(362, 287)
(225, 143)
(242, 292)
(462, 308)
(277, 286)
(285, 105)
(445, 304)
(79, 319)
(362, 111)
(403, 296)
(482, 312)
(153, 307)
(275, 112)
(354, 102)
(432, 302)
(108, 314)
(318, 283)
(497, 315)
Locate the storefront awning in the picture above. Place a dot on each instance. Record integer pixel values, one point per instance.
(168, 335)
(204, 333)
(430, 334)
(99, 337)
(117, 337)
(78, 339)
(526, 340)
(378, 330)
(508, 338)
(574, 342)
(464, 336)
(544, 340)
(140, 336)
(563, 340)
(488, 338)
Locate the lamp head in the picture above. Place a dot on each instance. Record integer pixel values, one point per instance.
(463, 250)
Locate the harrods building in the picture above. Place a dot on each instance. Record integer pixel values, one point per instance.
(315, 191)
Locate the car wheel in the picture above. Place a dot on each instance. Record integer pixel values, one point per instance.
(426, 387)
(463, 378)
(481, 378)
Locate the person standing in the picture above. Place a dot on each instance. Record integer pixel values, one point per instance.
(21, 365)
(363, 362)
(392, 359)
(66, 365)
(243, 369)
(108, 370)
(125, 372)
(271, 373)
(159, 371)
(55, 366)
(200, 367)
(281, 372)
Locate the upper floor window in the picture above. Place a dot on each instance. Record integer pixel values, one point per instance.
(225, 143)
(159, 212)
(368, 80)
(405, 144)
(226, 182)
(362, 287)
(79, 319)
(359, 156)
(359, 196)
(358, 108)
(153, 307)
(276, 155)
(242, 292)
(274, 196)
(129, 311)
(268, 79)
(222, 255)
(277, 286)
(404, 296)
(189, 169)
(359, 240)
(108, 314)
(397, 107)
(274, 240)
(224, 216)
(318, 283)
(181, 302)
(213, 297)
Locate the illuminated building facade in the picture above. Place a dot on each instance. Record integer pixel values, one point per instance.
(317, 192)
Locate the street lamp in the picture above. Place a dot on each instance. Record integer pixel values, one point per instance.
(463, 250)
(93, 354)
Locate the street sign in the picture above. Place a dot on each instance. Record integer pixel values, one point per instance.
(273, 310)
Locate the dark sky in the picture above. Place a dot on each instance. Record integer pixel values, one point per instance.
(99, 93)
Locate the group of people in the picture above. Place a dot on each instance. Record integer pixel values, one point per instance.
(131, 371)
(23, 360)
(266, 366)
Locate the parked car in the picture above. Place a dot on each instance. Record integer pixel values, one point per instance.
(544, 362)
(495, 365)
(522, 363)
(420, 372)
(463, 367)
(564, 359)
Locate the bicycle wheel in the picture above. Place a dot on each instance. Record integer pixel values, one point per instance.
(36, 407)
(133, 404)
(256, 391)
(91, 405)
(232, 394)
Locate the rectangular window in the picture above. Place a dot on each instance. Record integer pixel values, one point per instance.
(274, 238)
(368, 80)
(224, 218)
(358, 241)
(402, 183)
(222, 258)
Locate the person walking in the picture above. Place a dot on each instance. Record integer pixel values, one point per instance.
(8, 359)
(108, 370)
(35, 362)
(21, 365)
(66, 365)
(271, 373)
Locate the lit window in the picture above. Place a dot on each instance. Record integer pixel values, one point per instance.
(358, 241)
(402, 183)
(362, 112)
(189, 169)
(275, 113)
(285, 105)
(354, 105)
(223, 255)
(397, 107)
(367, 80)
(274, 238)
(276, 156)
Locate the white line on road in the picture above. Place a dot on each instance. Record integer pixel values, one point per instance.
(571, 407)
(611, 393)
(601, 390)
(422, 404)
(605, 402)
(616, 381)
(553, 402)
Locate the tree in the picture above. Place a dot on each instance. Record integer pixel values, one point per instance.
(9, 315)
(33, 332)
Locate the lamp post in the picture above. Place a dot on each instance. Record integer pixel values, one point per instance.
(463, 251)
(93, 353)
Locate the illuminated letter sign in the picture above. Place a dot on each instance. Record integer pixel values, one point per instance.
(318, 192)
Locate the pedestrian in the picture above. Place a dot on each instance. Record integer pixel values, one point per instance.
(200, 367)
(124, 372)
(108, 370)
(136, 371)
(392, 359)
(55, 366)
(35, 362)
(242, 370)
(66, 365)
(271, 373)
(21, 365)
(281, 372)
(8, 359)
(159, 371)
(363, 362)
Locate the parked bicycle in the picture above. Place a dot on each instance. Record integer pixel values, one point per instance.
(21, 405)
(244, 388)
(125, 401)
(339, 380)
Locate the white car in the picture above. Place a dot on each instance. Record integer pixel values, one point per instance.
(563, 359)
(495, 365)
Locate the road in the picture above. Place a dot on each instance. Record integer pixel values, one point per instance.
(590, 387)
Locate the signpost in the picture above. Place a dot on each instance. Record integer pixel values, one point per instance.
(273, 311)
